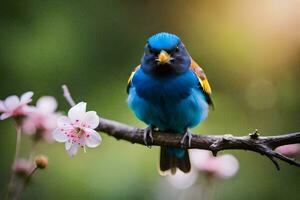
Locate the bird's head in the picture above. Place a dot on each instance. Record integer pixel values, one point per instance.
(165, 54)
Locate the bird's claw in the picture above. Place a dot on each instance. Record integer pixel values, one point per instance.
(148, 135)
(187, 136)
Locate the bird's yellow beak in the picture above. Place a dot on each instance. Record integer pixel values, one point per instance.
(163, 57)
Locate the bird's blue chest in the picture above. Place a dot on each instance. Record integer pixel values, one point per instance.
(171, 103)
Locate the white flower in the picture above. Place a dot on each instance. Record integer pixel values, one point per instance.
(77, 129)
(182, 180)
(13, 106)
(224, 166)
(42, 118)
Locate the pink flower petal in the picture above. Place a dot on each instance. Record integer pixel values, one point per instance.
(22, 167)
(29, 109)
(82, 141)
(63, 121)
(50, 121)
(289, 150)
(5, 116)
(46, 104)
(182, 180)
(59, 136)
(228, 166)
(2, 107)
(224, 166)
(92, 138)
(73, 150)
(68, 145)
(12, 102)
(26, 97)
(29, 126)
(199, 158)
(77, 112)
(91, 120)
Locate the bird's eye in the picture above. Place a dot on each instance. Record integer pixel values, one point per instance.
(150, 49)
(177, 49)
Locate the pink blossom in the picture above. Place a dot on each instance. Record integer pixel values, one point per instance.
(224, 166)
(13, 106)
(289, 150)
(22, 167)
(42, 118)
(182, 180)
(77, 129)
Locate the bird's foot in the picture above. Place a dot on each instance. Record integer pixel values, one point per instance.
(148, 136)
(186, 137)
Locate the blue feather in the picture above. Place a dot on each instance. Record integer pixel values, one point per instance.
(168, 95)
(170, 103)
(163, 41)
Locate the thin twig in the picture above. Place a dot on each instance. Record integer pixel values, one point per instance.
(18, 143)
(215, 143)
(23, 183)
(12, 184)
(30, 174)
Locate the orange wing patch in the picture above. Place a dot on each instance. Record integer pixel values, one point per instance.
(202, 80)
(130, 78)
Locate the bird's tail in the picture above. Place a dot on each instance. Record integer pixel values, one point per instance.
(173, 158)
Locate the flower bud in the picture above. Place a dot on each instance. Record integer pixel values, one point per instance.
(41, 161)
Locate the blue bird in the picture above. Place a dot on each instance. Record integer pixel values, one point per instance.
(169, 91)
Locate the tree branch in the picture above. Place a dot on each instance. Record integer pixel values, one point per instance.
(215, 143)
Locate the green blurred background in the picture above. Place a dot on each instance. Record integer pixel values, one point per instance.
(250, 50)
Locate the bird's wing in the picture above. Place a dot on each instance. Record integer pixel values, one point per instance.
(203, 81)
(130, 78)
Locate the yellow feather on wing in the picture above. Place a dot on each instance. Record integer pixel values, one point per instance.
(130, 78)
(203, 81)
